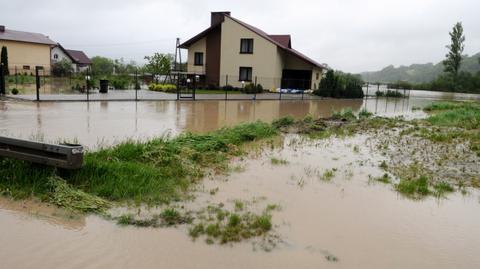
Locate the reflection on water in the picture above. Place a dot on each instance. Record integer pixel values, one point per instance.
(110, 122)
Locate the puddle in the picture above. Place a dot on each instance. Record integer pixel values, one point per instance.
(339, 221)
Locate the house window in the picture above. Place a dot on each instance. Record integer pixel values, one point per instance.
(246, 45)
(318, 76)
(55, 56)
(26, 67)
(198, 58)
(245, 74)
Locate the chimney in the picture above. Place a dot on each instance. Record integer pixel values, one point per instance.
(219, 17)
(2, 28)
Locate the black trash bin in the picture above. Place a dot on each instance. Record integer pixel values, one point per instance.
(103, 86)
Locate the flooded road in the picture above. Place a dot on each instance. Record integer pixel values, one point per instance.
(360, 223)
(106, 123)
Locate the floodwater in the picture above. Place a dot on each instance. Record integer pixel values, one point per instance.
(106, 123)
(361, 224)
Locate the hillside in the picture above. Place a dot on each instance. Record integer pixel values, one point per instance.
(418, 73)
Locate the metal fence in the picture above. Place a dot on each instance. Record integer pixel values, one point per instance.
(41, 84)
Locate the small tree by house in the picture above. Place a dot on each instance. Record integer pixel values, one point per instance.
(159, 63)
(4, 60)
(454, 56)
(62, 68)
(102, 66)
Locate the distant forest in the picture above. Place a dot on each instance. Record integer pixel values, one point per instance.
(419, 73)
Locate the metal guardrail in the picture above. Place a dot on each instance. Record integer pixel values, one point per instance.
(65, 156)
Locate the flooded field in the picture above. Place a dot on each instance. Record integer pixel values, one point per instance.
(329, 206)
(105, 123)
(347, 221)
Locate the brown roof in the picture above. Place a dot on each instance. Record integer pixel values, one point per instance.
(282, 41)
(285, 40)
(20, 36)
(79, 57)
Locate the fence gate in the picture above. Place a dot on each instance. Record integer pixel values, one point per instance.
(185, 87)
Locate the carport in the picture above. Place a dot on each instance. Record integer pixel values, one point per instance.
(296, 79)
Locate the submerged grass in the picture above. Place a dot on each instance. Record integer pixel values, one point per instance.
(154, 172)
(223, 226)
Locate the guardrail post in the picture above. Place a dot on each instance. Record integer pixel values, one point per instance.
(37, 83)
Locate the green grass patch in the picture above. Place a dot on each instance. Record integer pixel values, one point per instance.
(414, 188)
(223, 226)
(277, 161)
(155, 172)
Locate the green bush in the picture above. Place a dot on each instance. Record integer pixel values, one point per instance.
(120, 83)
(252, 88)
(340, 85)
(14, 91)
(170, 88)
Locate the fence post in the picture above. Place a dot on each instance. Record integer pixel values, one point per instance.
(280, 89)
(37, 83)
(136, 83)
(16, 78)
(226, 88)
(2, 80)
(87, 78)
(255, 90)
(178, 86)
(194, 86)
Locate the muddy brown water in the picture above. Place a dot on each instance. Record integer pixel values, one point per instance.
(106, 123)
(361, 223)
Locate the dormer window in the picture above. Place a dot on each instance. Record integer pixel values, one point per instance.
(55, 56)
(246, 45)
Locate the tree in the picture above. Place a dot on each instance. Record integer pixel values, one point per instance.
(454, 56)
(102, 66)
(62, 68)
(159, 63)
(4, 60)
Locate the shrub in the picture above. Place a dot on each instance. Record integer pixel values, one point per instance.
(14, 91)
(170, 88)
(120, 83)
(252, 88)
(228, 88)
(340, 85)
(213, 87)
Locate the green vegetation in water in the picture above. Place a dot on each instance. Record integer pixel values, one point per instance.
(154, 172)
(390, 93)
(167, 218)
(328, 175)
(344, 114)
(223, 226)
(384, 179)
(283, 122)
(277, 161)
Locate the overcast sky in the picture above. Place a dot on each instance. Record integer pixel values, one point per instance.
(349, 35)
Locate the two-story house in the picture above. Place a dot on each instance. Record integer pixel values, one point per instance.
(231, 52)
